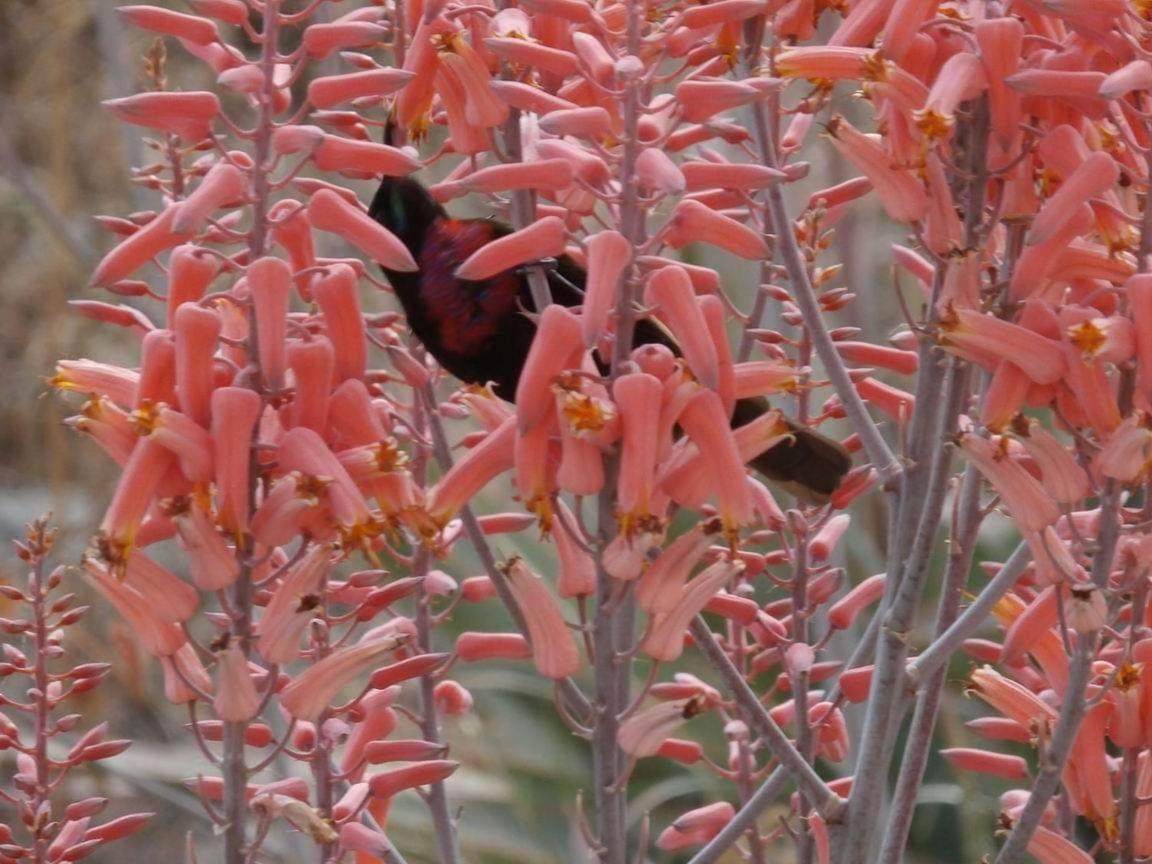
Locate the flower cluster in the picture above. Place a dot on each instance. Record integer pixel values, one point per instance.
(279, 427)
(47, 828)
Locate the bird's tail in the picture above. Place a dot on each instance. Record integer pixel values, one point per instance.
(808, 464)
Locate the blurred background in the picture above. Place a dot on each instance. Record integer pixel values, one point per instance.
(64, 160)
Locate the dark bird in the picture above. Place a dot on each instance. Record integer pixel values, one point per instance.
(478, 330)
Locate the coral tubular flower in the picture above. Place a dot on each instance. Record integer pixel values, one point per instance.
(1029, 503)
(536, 471)
(158, 635)
(960, 79)
(386, 784)
(1127, 453)
(311, 691)
(1093, 177)
(1048, 847)
(985, 339)
(1011, 699)
(270, 281)
(188, 115)
(729, 175)
(328, 211)
(197, 332)
(141, 478)
(554, 650)
(693, 222)
(237, 698)
(665, 637)
(657, 174)
(337, 294)
(330, 91)
(135, 251)
(323, 40)
(558, 345)
(1001, 765)
(661, 585)
(190, 271)
(471, 647)
(702, 824)
(593, 122)
(1061, 475)
(199, 31)
(642, 734)
(544, 175)
(303, 450)
(899, 190)
(544, 238)
(224, 184)
(292, 605)
(1057, 82)
(492, 456)
(831, 63)
(525, 97)
(577, 568)
(460, 61)
(1136, 75)
(845, 610)
(705, 421)
(609, 255)
(115, 383)
(638, 397)
(700, 100)
(211, 564)
(363, 157)
(669, 290)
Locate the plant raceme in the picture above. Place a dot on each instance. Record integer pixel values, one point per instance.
(283, 434)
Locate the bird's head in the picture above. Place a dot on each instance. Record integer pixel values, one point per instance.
(406, 209)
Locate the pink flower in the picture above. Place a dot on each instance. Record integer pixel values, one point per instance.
(199, 31)
(225, 184)
(236, 698)
(1093, 177)
(642, 733)
(333, 89)
(187, 114)
(197, 331)
(544, 238)
(309, 694)
(135, 251)
(139, 482)
(986, 340)
(701, 99)
(359, 158)
(313, 364)
(665, 637)
(900, 192)
(705, 421)
(693, 222)
(1027, 500)
(328, 211)
(638, 398)
(494, 455)
(999, 765)
(235, 412)
(471, 647)
(386, 784)
(664, 579)
(670, 291)
(702, 824)
(1127, 452)
(152, 624)
(554, 648)
(558, 345)
(292, 605)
